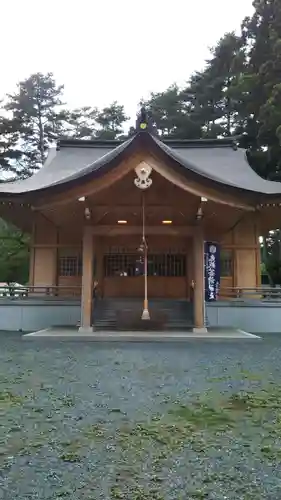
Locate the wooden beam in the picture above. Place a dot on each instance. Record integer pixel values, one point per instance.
(116, 230)
(103, 183)
(114, 208)
(57, 245)
(239, 247)
(198, 190)
(91, 187)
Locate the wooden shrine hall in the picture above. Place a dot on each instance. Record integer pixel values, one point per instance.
(130, 219)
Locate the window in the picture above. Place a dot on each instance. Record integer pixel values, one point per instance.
(166, 265)
(70, 266)
(226, 261)
(133, 265)
(120, 265)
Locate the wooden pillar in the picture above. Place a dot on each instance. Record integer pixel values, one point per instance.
(199, 293)
(99, 268)
(32, 257)
(258, 250)
(87, 280)
(56, 279)
(190, 270)
(31, 266)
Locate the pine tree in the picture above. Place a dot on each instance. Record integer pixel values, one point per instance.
(260, 88)
(37, 107)
(81, 123)
(91, 123)
(10, 153)
(209, 95)
(172, 114)
(207, 106)
(110, 121)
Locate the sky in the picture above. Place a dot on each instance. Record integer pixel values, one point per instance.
(112, 49)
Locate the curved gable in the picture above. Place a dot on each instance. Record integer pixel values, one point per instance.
(213, 161)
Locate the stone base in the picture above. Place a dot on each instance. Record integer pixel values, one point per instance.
(200, 330)
(85, 330)
(87, 335)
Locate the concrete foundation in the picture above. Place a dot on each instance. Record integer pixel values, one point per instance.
(30, 315)
(74, 334)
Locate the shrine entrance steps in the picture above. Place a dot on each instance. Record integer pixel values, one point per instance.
(123, 314)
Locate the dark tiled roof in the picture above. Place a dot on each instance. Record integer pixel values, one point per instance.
(221, 163)
(65, 164)
(213, 160)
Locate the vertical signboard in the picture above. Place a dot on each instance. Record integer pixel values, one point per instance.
(212, 271)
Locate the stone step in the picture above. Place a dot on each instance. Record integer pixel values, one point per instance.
(179, 313)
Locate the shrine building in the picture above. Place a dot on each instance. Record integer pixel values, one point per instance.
(97, 207)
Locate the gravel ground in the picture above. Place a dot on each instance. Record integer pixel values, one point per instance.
(140, 421)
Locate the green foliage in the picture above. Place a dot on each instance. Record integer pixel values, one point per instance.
(35, 120)
(81, 123)
(36, 107)
(171, 114)
(173, 449)
(207, 107)
(110, 121)
(214, 105)
(34, 117)
(237, 93)
(273, 268)
(259, 87)
(14, 255)
(10, 153)
(202, 416)
(271, 256)
(8, 398)
(92, 123)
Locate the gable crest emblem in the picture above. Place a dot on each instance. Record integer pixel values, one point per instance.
(143, 179)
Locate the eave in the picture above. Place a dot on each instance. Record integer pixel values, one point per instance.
(141, 145)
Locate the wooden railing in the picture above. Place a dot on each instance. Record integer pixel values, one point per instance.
(244, 293)
(44, 292)
(74, 292)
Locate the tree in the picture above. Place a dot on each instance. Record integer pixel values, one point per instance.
(200, 102)
(172, 114)
(260, 89)
(36, 107)
(91, 123)
(212, 90)
(14, 254)
(206, 107)
(110, 121)
(10, 153)
(81, 123)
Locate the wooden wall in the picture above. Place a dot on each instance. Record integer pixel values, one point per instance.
(43, 255)
(243, 241)
(158, 286)
(51, 243)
